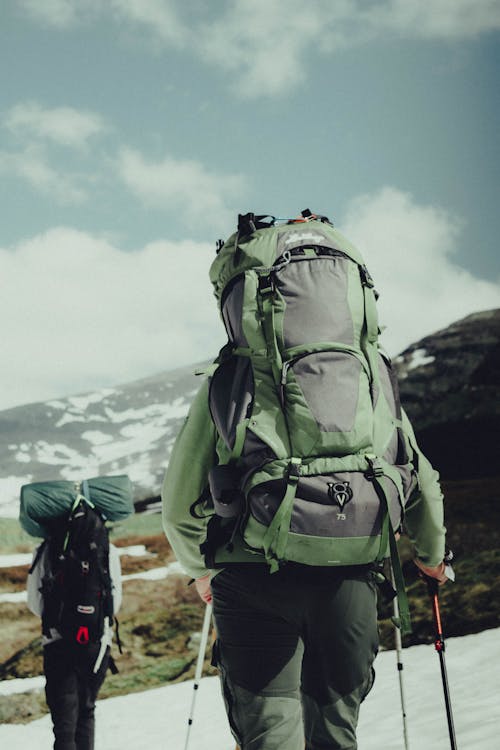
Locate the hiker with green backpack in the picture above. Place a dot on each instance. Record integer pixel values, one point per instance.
(290, 480)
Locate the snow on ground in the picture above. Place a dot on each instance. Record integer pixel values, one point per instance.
(155, 574)
(15, 597)
(157, 718)
(11, 561)
(420, 358)
(26, 685)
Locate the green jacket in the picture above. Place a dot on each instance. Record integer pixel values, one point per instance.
(195, 452)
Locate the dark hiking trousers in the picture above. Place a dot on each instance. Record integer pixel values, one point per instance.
(295, 651)
(71, 691)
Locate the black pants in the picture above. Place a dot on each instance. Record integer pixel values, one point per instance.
(71, 691)
(295, 651)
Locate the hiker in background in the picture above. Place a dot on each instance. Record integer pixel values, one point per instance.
(286, 486)
(75, 660)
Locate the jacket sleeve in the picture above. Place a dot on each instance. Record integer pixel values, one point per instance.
(115, 572)
(35, 600)
(424, 513)
(193, 455)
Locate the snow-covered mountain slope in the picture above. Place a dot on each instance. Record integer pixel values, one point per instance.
(129, 429)
(157, 718)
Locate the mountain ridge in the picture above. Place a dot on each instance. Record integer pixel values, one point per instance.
(450, 388)
(449, 383)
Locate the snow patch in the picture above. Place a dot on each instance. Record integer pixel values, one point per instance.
(25, 685)
(57, 404)
(10, 561)
(15, 597)
(136, 550)
(178, 408)
(83, 402)
(70, 417)
(419, 358)
(96, 437)
(156, 574)
(56, 454)
(23, 458)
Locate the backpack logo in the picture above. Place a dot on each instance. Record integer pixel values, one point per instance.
(340, 493)
(84, 609)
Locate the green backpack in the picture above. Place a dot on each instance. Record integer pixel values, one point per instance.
(312, 466)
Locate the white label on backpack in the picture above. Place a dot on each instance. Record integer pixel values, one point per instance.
(84, 609)
(307, 235)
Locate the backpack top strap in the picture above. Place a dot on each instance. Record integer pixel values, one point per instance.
(86, 493)
(249, 223)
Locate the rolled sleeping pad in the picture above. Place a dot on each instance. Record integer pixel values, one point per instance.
(42, 502)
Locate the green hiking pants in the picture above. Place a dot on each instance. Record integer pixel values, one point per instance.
(295, 651)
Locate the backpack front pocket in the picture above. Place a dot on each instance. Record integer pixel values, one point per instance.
(327, 402)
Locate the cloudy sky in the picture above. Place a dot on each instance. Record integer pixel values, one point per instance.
(132, 132)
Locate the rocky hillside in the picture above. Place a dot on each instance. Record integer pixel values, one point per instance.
(450, 387)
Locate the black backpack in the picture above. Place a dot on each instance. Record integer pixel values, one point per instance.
(76, 590)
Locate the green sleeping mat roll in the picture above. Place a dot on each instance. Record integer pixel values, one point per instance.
(42, 502)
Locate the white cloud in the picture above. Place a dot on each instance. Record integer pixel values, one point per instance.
(79, 313)
(264, 44)
(409, 249)
(60, 14)
(268, 47)
(32, 166)
(65, 126)
(185, 187)
(433, 19)
(159, 17)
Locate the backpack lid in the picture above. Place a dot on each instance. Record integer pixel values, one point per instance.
(259, 244)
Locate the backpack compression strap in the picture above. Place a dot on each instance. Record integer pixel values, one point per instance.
(275, 538)
(376, 475)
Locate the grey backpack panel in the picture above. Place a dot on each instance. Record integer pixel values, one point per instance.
(230, 396)
(313, 312)
(232, 306)
(330, 384)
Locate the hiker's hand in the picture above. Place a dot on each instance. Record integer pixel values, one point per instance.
(203, 588)
(439, 572)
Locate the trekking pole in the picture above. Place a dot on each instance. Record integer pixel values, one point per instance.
(399, 661)
(432, 586)
(199, 667)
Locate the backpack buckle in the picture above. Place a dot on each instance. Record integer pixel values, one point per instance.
(293, 471)
(375, 468)
(266, 284)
